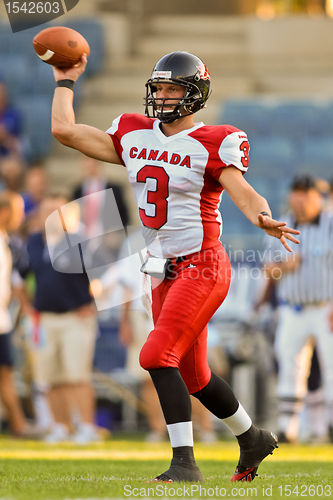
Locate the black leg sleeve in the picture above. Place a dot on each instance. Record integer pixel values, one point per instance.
(218, 397)
(173, 394)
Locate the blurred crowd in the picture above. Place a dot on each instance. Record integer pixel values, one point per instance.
(74, 313)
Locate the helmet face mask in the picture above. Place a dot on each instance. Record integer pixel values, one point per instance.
(182, 69)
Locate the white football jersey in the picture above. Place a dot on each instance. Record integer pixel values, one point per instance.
(175, 179)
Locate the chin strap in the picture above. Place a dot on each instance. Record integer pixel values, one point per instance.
(170, 119)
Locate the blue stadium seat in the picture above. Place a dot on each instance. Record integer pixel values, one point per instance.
(325, 127)
(92, 30)
(14, 71)
(252, 116)
(43, 82)
(275, 193)
(238, 231)
(19, 43)
(13, 44)
(286, 138)
(295, 119)
(5, 32)
(272, 157)
(110, 354)
(36, 125)
(317, 157)
(30, 81)
(234, 221)
(292, 119)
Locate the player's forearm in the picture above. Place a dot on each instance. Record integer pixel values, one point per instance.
(63, 117)
(243, 195)
(253, 205)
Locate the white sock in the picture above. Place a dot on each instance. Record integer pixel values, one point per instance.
(181, 434)
(239, 422)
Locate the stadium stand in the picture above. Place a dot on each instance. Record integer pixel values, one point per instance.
(286, 137)
(110, 354)
(31, 83)
(250, 115)
(13, 71)
(93, 31)
(37, 137)
(295, 119)
(271, 155)
(317, 156)
(282, 134)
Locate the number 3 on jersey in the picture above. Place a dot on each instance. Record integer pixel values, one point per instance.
(157, 197)
(245, 147)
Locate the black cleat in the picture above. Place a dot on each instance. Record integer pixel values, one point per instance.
(189, 473)
(250, 458)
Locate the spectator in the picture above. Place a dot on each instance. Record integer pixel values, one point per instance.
(65, 321)
(305, 294)
(10, 126)
(18, 424)
(313, 421)
(20, 258)
(35, 187)
(17, 245)
(12, 173)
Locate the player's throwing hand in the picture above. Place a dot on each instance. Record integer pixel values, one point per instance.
(72, 73)
(278, 229)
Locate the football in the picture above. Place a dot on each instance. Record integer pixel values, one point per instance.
(60, 46)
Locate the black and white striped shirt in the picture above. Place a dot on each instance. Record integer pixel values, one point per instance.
(312, 281)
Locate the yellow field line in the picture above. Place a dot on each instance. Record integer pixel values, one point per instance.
(142, 451)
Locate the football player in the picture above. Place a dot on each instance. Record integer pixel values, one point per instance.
(178, 170)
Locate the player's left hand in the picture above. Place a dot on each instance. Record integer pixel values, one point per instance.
(278, 229)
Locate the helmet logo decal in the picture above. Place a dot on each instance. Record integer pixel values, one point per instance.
(204, 73)
(161, 74)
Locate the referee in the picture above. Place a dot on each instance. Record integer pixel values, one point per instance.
(305, 295)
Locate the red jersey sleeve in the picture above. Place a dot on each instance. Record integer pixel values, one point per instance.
(234, 150)
(124, 124)
(226, 146)
(115, 133)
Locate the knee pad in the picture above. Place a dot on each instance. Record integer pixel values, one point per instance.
(150, 356)
(154, 355)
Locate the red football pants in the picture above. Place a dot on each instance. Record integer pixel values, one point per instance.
(182, 306)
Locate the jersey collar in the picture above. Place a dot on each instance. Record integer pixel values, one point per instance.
(164, 138)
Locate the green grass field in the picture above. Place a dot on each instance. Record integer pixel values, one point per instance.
(121, 469)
